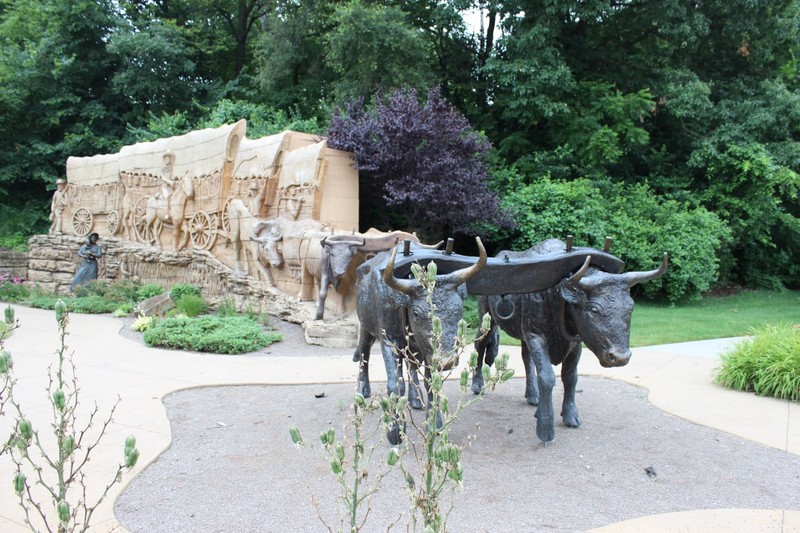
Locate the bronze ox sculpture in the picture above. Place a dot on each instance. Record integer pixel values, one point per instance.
(552, 296)
(592, 306)
(393, 309)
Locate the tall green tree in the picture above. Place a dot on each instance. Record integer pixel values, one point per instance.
(373, 47)
(54, 98)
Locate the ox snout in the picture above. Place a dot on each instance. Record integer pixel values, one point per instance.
(612, 358)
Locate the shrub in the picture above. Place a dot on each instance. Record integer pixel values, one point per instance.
(191, 305)
(228, 335)
(642, 225)
(180, 289)
(226, 308)
(143, 323)
(148, 290)
(768, 363)
(123, 310)
(13, 289)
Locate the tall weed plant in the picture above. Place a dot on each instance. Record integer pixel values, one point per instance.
(768, 363)
(50, 460)
(428, 460)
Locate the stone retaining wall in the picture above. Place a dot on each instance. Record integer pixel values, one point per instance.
(53, 260)
(14, 263)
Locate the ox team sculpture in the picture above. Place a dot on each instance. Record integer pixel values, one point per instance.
(553, 297)
(285, 203)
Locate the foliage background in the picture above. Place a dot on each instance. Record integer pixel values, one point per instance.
(667, 124)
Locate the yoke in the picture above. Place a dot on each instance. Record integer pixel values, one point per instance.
(510, 275)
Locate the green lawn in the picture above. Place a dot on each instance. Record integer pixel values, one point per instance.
(710, 318)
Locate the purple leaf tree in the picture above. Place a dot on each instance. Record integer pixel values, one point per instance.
(421, 165)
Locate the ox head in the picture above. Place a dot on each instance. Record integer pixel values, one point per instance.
(338, 251)
(269, 240)
(447, 298)
(601, 308)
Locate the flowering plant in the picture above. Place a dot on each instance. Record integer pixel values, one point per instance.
(14, 289)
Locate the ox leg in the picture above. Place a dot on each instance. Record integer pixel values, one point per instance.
(487, 348)
(361, 355)
(401, 380)
(414, 390)
(531, 382)
(322, 296)
(545, 428)
(569, 377)
(395, 432)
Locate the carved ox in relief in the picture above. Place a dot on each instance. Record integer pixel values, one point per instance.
(324, 258)
(245, 237)
(591, 306)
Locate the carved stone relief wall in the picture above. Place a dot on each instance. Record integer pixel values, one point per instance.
(202, 194)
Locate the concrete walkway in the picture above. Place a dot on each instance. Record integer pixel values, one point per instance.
(110, 367)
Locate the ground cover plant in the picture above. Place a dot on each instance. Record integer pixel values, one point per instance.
(216, 334)
(767, 363)
(96, 297)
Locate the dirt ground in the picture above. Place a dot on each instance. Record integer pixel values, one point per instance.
(232, 465)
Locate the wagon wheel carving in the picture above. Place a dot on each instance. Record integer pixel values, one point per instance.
(113, 222)
(82, 221)
(202, 230)
(139, 222)
(226, 218)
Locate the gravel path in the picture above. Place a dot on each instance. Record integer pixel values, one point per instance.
(232, 466)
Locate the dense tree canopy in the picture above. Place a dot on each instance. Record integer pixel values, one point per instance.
(696, 103)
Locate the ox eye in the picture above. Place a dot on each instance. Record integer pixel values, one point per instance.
(594, 309)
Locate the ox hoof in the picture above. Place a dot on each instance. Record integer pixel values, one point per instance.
(357, 357)
(545, 428)
(415, 403)
(571, 418)
(533, 399)
(365, 390)
(477, 384)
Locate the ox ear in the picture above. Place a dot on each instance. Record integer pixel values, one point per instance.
(572, 294)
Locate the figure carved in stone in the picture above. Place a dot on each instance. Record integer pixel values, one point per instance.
(293, 200)
(255, 198)
(90, 252)
(57, 206)
(170, 209)
(167, 181)
(127, 209)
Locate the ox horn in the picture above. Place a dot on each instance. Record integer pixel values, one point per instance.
(632, 278)
(261, 224)
(463, 275)
(577, 276)
(406, 286)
